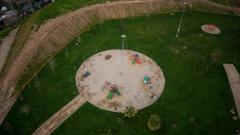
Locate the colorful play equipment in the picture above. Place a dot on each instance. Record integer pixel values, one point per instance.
(135, 58)
(86, 74)
(113, 91)
(146, 79)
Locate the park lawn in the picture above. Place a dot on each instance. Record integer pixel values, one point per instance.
(196, 83)
(197, 98)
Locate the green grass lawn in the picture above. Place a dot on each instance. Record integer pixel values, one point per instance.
(197, 98)
(51, 11)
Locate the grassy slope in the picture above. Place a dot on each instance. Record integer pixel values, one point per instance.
(194, 87)
(5, 31)
(59, 7)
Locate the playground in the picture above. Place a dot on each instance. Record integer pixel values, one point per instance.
(128, 78)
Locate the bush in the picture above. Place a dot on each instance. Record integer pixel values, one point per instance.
(154, 122)
(130, 112)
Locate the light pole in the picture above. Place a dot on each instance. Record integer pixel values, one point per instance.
(123, 36)
(180, 22)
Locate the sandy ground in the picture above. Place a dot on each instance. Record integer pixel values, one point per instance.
(128, 77)
(5, 47)
(212, 29)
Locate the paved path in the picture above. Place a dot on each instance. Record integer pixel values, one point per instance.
(234, 81)
(237, 2)
(59, 117)
(5, 47)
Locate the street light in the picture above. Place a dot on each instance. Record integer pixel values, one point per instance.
(123, 36)
(180, 22)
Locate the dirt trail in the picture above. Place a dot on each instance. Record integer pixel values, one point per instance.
(55, 34)
(5, 47)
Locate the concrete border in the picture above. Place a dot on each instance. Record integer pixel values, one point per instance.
(234, 81)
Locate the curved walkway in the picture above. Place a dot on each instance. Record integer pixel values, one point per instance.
(59, 117)
(234, 81)
(5, 47)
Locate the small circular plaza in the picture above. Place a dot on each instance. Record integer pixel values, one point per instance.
(211, 29)
(115, 79)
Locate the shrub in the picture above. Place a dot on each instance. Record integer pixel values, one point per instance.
(130, 112)
(154, 122)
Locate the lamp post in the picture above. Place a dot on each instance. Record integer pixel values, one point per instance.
(180, 22)
(123, 36)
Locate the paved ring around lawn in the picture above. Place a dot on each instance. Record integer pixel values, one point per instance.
(115, 79)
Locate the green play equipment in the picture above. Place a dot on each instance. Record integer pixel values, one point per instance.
(113, 91)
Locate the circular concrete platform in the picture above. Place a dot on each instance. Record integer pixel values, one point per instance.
(211, 28)
(114, 79)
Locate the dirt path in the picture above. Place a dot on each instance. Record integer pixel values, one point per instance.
(59, 117)
(234, 81)
(5, 47)
(56, 33)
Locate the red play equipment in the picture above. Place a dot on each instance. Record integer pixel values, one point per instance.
(135, 59)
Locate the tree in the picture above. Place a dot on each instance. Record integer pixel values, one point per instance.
(130, 112)
(154, 122)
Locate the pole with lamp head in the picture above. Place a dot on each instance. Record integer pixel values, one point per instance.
(123, 36)
(180, 22)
